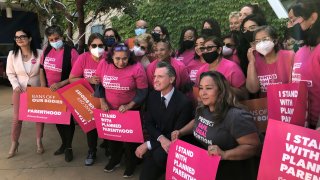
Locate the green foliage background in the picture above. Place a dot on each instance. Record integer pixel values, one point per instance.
(176, 14)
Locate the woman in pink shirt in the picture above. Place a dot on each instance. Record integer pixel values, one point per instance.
(55, 68)
(163, 52)
(304, 18)
(267, 64)
(23, 65)
(198, 60)
(125, 88)
(212, 54)
(85, 67)
(185, 54)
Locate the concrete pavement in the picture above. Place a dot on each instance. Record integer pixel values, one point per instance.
(29, 165)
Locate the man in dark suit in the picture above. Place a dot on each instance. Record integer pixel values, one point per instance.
(167, 110)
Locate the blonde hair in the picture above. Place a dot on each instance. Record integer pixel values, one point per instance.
(147, 38)
(235, 14)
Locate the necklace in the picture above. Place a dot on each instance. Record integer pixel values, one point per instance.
(26, 57)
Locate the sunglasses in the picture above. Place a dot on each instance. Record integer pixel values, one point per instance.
(208, 48)
(142, 47)
(120, 48)
(95, 45)
(22, 37)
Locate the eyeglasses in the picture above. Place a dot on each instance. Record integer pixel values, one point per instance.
(22, 37)
(229, 45)
(250, 28)
(120, 48)
(95, 45)
(108, 37)
(254, 43)
(208, 48)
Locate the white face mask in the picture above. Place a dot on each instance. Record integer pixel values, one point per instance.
(57, 45)
(265, 47)
(97, 52)
(226, 51)
(138, 51)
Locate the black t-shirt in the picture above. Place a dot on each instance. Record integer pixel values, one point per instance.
(236, 124)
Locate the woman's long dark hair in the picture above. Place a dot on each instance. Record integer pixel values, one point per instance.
(225, 96)
(214, 26)
(244, 45)
(181, 47)
(305, 8)
(33, 48)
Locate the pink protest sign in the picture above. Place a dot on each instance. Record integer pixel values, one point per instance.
(79, 100)
(186, 161)
(41, 115)
(290, 152)
(125, 127)
(288, 103)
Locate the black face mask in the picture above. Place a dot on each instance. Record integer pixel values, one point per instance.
(156, 37)
(296, 32)
(208, 32)
(188, 44)
(109, 41)
(210, 57)
(248, 36)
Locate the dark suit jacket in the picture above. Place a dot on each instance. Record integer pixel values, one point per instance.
(159, 121)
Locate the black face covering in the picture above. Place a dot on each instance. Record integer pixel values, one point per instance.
(210, 57)
(208, 32)
(188, 44)
(248, 36)
(156, 37)
(296, 32)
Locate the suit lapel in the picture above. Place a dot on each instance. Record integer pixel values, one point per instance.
(19, 63)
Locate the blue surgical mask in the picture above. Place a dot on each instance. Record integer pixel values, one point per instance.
(140, 31)
(57, 45)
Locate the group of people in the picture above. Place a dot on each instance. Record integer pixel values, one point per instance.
(179, 93)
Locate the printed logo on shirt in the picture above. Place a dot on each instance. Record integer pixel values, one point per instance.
(296, 77)
(88, 73)
(201, 130)
(108, 84)
(180, 58)
(50, 65)
(193, 75)
(267, 80)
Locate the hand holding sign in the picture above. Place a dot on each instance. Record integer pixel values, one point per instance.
(175, 135)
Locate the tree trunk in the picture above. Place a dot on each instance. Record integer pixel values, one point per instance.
(81, 25)
(69, 30)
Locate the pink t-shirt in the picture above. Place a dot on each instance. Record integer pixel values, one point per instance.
(234, 57)
(306, 68)
(275, 73)
(121, 84)
(193, 68)
(229, 69)
(53, 64)
(181, 71)
(85, 66)
(186, 57)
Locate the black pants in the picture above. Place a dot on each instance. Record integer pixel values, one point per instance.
(154, 164)
(118, 148)
(66, 133)
(92, 138)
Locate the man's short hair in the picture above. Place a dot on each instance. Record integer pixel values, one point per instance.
(170, 69)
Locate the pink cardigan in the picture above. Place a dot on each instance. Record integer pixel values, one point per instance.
(16, 72)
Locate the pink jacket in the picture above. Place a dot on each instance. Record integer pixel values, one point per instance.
(17, 74)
